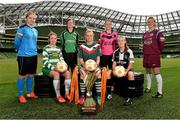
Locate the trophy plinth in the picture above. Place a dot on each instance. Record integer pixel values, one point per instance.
(88, 110)
(89, 106)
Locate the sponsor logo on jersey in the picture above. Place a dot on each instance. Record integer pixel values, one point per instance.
(151, 34)
(121, 62)
(70, 41)
(148, 41)
(107, 43)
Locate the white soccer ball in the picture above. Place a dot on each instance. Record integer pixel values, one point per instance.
(119, 71)
(90, 65)
(61, 66)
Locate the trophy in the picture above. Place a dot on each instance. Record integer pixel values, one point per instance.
(89, 106)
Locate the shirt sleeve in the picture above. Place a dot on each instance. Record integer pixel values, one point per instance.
(46, 60)
(100, 40)
(18, 38)
(60, 56)
(161, 40)
(62, 40)
(77, 40)
(113, 57)
(80, 52)
(116, 41)
(131, 56)
(98, 51)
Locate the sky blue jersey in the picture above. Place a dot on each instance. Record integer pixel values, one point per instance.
(26, 41)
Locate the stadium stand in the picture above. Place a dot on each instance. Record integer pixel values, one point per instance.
(53, 14)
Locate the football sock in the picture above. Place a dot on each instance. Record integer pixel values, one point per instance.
(98, 86)
(67, 85)
(56, 84)
(29, 83)
(82, 88)
(148, 78)
(20, 86)
(108, 86)
(159, 82)
(131, 88)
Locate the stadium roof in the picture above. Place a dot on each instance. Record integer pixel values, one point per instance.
(55, 13)
(136, 7)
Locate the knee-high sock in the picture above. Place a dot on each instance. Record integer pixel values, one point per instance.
(98, 86)
(29, 84)
(67, 85)
(159, 83)
(108, 86)
(56, 84)
(82, 88)
(148, 78)
(20, 86)
(131, 88)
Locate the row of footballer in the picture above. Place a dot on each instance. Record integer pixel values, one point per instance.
(111, 52)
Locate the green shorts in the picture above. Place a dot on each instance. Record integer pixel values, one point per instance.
(46, 71)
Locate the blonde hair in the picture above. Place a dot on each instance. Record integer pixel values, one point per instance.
(107, 20)
(89, 30)
(50, 34)
(123, 38)
(30, 12)
(152, 18)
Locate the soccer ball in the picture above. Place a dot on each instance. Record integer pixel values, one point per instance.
(61, 66)
(119, 71)
(90, 65)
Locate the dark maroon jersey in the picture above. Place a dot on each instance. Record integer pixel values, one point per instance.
(153, 42)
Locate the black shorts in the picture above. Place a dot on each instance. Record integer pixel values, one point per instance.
(70, 59)
(27, 65)
(106, 60)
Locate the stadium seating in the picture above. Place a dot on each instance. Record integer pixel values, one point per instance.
(172, 42)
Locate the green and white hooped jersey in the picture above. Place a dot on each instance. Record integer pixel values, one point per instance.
(51, 56)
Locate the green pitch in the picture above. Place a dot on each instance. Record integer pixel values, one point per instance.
(143, 107)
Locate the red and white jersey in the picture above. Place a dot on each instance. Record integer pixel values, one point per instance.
(153, 42)
(108, 42)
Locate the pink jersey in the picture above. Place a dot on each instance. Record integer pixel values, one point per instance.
(108, 42)
(153, 42)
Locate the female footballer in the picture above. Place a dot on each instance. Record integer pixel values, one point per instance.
(123, 56)
(89, 50)
(108, 44)
(51, 56)
(26, 46)
(153, 44)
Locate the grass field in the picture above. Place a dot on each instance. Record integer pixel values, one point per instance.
(142, 108)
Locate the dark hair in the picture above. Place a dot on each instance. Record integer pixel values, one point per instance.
(68, 19)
